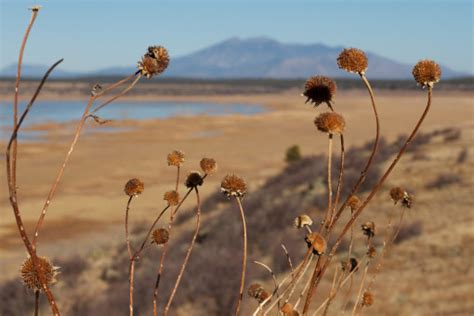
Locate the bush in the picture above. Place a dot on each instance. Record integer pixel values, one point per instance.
(293, 154)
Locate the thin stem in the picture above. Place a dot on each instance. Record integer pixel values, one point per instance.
(34, 13)
(379, 184)
(127, 238)
(150, 230)
(361, 287)
(288, 258)
(131, 277)
(188, 253)
(329, 176)
(275, 289)
(123, 92)
(244, 256)
(37, 295)
(340, 177)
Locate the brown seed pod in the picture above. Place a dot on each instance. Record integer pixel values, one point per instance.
(353, 202)
(350, 265)
(172, 197)
(193, 180)
(288, 310)
(397, 194)
(161, 236)
(175, 158)
(330, 122)
(367, 299)
(154, 62)
(233, 185)
(319, 89)
(302, 221)
(353, 60)
(371, 252)
(369, 229)
(426, 73)
(317, 242)
(208, 165)
(134, 187)
(30, 276)
(257, 291)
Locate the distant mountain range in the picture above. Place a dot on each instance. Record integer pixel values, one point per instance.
(258, 57)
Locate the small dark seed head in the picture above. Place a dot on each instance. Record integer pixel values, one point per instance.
(172, 197)
(353, 60)
(349, 265)
(426, 72)
(161, 236)
(257, 291)
(397, 194)
(233, 185)
(193, 180)
(407, 200)
(208, 165)
(134, 187)
(319, 89)
(330, 122)
(369, 229)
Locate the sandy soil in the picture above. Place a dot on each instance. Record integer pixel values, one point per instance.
(88, 208)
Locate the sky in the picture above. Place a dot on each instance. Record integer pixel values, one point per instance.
(91, 35)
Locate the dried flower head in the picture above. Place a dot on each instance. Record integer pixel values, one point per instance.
(317, 242)
(30, 276)
(397, 194)
(302, 221)
(35, 8)
(172, 197)
(161, 236)
(194, 179)
(330, 122)
(154, 62)
(353, 202)
(349, 265)
(426, 72)
(233, 185)
(175, 158)
(407, 200)
(367, 299)
(369, 229)
(257, 291)
(134, 187)
(319, 89)
(208, 165)
(288, 310)
(371, 252)
(353, 60)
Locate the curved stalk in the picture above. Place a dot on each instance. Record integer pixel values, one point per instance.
(244, 256)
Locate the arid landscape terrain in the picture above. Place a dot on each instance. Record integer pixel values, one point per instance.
(428, 271)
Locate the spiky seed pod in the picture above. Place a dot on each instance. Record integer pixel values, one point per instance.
(353, 202)
(257, 291)
(194, 179)
(233, 185)
(172, 197)
(330, 122)
(134, 187)
(154, 62)
(317, 242)
(161, 236)
(353, 60)
(319, 89)
(397, 194)
(302, 221)
(175, 158)
(426, 72)
(350, 265)
(367, 299)
(30, 276)
(148, 66)
(371, 252)
(407, 200)
(208, 165)
(369, 229)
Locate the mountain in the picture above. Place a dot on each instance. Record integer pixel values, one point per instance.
(258, 57)
(35, 71)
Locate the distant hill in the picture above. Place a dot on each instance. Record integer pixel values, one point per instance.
(258, 57)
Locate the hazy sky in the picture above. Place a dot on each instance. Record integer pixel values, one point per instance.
(94, 34)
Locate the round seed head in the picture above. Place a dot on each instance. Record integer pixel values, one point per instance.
(319, 89)
(175, 158)
(317, 242)
(302, 221)
(30, 276)
(193, 180)
(426, 73)
(154, 62)
(172, 197)
(257, 291)
(161, 236)
(371, 252)
(367, 299)
(330, 122)
(208, 165)
(134, 187)
(353, 202)
(287, 309)
(233, 185)
(397, 194)
(353, 60)
(349, 265)
(369, 229)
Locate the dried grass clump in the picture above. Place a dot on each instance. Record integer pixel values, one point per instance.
(426, 73)
(330, 122)
(134, 187)
(154, 62)
(319, 89)
(353, 60)
(233, 185)
(30, 276)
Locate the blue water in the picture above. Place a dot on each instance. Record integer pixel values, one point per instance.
(63, 111)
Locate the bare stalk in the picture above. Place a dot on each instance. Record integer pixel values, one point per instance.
(37, 295)
(244, 256)
(188, 253)
(340, 178)
(275, 283)
(327, 220)
(123, 92)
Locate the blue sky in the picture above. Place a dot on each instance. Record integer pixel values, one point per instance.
(95, 34)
